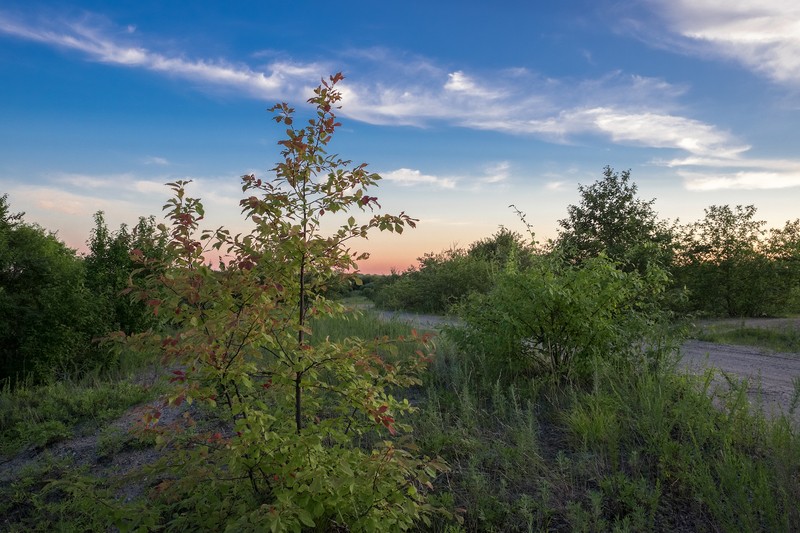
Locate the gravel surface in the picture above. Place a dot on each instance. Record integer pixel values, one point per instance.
(771, 376)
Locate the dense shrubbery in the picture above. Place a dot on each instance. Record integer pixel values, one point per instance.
(55, 304)
(440, 280)
(557, 319)
(444, 279)
(724, 265)
(43, 303)
(733, 268)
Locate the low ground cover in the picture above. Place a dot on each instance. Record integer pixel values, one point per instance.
(779, 335)
(637, 451)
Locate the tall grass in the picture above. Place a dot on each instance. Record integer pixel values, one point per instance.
(642, 450)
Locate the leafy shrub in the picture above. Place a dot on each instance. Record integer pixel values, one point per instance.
(445, 279)
(310, 422)
(43, 303)
(555, 318)
(440, 281)
(110, 269)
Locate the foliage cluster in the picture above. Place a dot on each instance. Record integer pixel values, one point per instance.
(726, 264)
(612, 220)
(43, 304)
(312, 425)
(54, 304)
(733, 267)
(444, 279)
(557, 319)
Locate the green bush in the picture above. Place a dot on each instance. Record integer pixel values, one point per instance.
(445, 279)
(556, 318)
(44, 330)
(440, 281)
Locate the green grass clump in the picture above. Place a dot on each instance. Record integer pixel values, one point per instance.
(53, 495)
(38, 416)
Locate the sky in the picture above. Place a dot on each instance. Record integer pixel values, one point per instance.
(463, 107)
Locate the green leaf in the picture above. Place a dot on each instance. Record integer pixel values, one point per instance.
(306, 518)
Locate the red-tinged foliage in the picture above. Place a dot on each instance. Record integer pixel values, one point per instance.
(298, 406)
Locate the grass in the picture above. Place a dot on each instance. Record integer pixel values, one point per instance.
(39, 416)
(53, 494)
(639, 451)
(785, 339)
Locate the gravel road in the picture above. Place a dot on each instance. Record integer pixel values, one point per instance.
(771, 376)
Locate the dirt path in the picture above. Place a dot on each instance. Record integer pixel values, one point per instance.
(771, 376)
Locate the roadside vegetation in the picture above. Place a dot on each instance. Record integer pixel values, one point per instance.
(778, 338)
(552, 405)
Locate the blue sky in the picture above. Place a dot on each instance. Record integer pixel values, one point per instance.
(463, 107)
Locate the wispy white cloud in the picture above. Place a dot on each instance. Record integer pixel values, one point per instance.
(623, 109)
(497, 173)
(458, 82)
(105, 46)
(411, 177)
(708, 181)
(627, 110)
(716, 173)
(763, 36)
(494, 175)
(220, 190)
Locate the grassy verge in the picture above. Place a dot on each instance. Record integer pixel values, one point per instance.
(642, 451)
(43, 415)
(785, 339)
(639, 451)
(37, 416)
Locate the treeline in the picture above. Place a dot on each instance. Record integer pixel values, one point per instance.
(727, 264)
(56, 304)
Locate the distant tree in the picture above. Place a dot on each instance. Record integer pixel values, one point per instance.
(42, 302)
(723, 265)
(612, 219)
(783, 247)
(501, 248)
(110, 269)
(436, 283)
